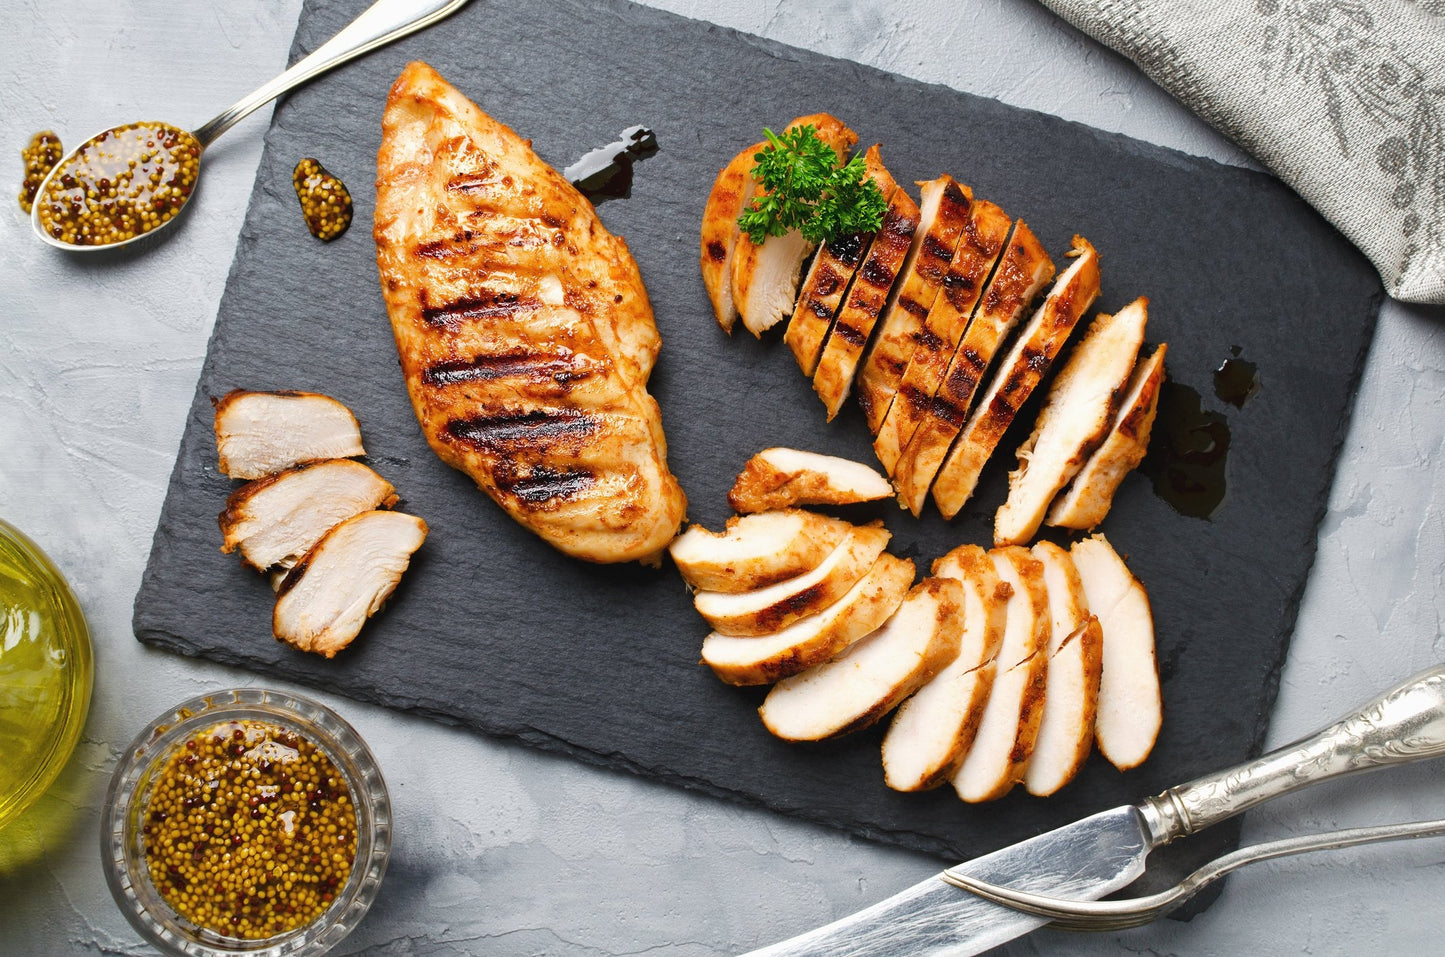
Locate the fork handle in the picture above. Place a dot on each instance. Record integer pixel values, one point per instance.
(1406, 723)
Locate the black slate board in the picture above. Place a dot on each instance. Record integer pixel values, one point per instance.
(495, 631)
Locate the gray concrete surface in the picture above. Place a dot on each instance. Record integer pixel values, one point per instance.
(539, 855)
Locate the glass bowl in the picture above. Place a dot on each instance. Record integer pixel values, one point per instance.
(121, 840)
(46, 671)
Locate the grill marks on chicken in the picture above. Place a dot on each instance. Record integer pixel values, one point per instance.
(524, 331)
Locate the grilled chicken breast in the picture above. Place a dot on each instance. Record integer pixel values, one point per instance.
(1022, 271)
(868, 296)
(1086, 501)
(765, 277)
(1016, 378)
(782, 478)
(731, 193)
(944, 211)
(1074, 420)
(523, 327)
(985, 233)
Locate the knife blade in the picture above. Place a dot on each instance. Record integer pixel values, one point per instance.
(1101, 854)
(1086, 859)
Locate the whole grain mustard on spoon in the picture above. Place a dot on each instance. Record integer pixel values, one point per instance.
(130, 181)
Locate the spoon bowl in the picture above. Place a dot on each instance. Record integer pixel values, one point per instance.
(378, 25)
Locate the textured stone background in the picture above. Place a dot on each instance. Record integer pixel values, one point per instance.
(98, 361)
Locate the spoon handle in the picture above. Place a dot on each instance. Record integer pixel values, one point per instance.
(381, 23)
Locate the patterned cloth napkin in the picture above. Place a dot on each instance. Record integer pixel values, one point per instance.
(1342, 99)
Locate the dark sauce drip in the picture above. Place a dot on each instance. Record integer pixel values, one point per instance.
(1187, 453)
(1236, 381)
(606, 172)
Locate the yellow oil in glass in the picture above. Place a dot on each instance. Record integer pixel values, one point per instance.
(45, 672)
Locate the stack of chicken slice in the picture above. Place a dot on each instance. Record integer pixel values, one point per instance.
(923, 320)
(318, 522)
(1005, 666)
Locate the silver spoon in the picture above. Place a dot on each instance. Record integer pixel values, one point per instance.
(380, 24)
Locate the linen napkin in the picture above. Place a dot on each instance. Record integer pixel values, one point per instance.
(1344, 100)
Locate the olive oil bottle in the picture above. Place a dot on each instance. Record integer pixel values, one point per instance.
(46, 672)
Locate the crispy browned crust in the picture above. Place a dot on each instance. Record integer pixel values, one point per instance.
(826, 284)
(888, 356)
(524, 331)
(867, 297)
(719, 233)
(763, 487)
(1022, 270)
(985, 233)
(958, 476)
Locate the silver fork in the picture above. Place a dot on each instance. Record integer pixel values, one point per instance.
(1137, 911)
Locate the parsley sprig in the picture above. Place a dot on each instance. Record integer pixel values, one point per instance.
(804, 187)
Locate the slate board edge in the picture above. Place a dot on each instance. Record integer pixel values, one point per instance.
(557, 744)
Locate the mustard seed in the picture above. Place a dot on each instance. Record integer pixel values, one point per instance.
(120, 184)
(40, 154)
(234, 843)
(325, 201)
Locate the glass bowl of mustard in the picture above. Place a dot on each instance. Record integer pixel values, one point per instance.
(247, 821)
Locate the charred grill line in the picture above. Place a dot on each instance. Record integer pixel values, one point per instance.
(543, 485)
(487, 304)
(539, 429)
(562, 370)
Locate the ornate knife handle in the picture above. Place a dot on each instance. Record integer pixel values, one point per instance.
(1406, 723)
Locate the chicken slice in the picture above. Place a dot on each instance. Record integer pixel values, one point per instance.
(933, 730)
(1016, 377)
(868, 296)
(827, 283)
(919, 281)
(866, 681)
(985, 234)
(1087, 499)
(812, 641)
(258, 433)
(1022, 272)
(771, 609)
(323, 602)
(1075, 418)
(780, 478)
(1130, 706)
(276, 520)
(731, 193)
(1010, 722)
(524, 331)
(1066, 731)
(756, 551)
(765, 277)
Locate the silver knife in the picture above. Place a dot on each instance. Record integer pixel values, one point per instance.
(1101, 854)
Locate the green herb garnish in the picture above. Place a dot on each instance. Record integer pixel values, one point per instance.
(807, 189)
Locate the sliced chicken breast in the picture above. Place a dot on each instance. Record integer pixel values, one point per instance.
(944, 212)
(828, 282)
(1074, 420)
(1023, 270)
(780, 478)
(812, 641)
(323, 602)
(765, 277)
(771, 609)
(756, 551)
(985, 234)
(1086, 501)
(1130, 705)
(933, 730)
(276, 520)
(1010, 722)
(258, 433)
(1066, 731)
(731, 192)
(868, 297)
(866, 681)
(1016, 377)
